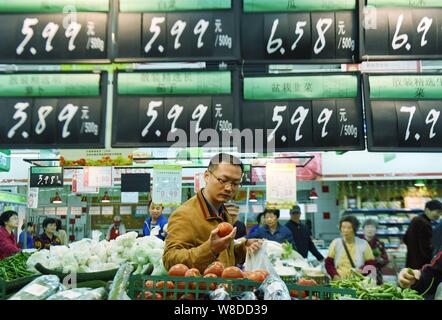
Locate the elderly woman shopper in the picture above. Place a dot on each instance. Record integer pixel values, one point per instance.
(348, 252)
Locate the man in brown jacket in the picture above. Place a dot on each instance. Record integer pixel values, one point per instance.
(193, 228)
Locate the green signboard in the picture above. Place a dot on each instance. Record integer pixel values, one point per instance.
(301, 87)
(405, 3)
(170, 83)
(53, 6)
(13, 198)
(5, 160)
(406, 87)
(49, 85)
(173, 5)
(46, 170)
(298, 5)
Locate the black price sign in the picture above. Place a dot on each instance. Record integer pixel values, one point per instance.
(52, 110)
(46, 177)
(159, 30)
(409, 31)
(173, 108)
(303, 112)
(286, 32)
(41, 34)
(410, 107)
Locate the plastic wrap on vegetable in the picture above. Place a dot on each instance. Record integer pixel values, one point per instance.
(220, 294)
(273, 288)
(80, 294)
(248, 295)
(39, 289)
(121, 280)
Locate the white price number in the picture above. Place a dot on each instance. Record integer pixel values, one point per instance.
(48, 33)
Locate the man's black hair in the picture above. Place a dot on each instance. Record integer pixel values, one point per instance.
(224, 158)
(274, 211)
(433, 205)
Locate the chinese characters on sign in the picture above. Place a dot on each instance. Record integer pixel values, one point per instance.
(167, 184)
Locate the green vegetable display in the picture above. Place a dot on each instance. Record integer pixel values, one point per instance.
(366, 289)
(14, 267)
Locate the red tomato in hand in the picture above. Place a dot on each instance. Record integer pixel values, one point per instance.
(224, 229)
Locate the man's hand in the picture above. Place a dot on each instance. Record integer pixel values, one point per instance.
(253, 245)
(406, 279)
(217, 244)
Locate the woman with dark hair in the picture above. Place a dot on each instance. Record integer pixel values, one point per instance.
(48, 237)
(349, 252)
(273, 230)
(26, 238)
(8, 243)
(370, 227)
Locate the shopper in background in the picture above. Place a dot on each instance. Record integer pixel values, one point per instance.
(233, 210)
(260, 222)
(419, 234)
(115, 229)
(349, 252)
(301, 235)
(437, 239)
(48, 237)
(26, 238)
(156, 224)
(61, 234)
(273, 230)
(425, 280)
(8, 242)
(192, 237)
(377, 246)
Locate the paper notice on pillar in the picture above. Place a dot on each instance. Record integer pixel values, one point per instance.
(311, 208)
(78, 183)
(33, 198)
(281, 185)
(199, 182)
(167, 183)
(129, 197)
(98, 177)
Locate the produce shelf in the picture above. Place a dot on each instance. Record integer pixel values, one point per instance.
(143, 287)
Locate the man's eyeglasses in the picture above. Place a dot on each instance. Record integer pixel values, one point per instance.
(233, 184)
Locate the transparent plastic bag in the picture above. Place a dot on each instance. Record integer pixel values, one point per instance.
(80, 294)
(260, 260)
(39, 289)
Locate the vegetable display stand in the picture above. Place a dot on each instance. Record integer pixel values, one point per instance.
(106, 275)
(8, 288)
(318, 292)
(198, 288)
(142, 287)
